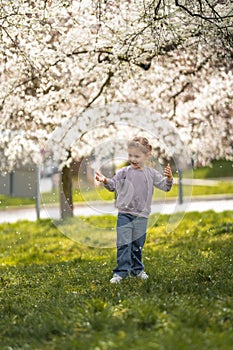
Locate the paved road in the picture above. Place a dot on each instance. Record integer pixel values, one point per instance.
(216, 203)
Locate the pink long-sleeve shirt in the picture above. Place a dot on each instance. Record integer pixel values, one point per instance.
(134, 189)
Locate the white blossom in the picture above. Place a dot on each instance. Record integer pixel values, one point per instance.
(69, 73)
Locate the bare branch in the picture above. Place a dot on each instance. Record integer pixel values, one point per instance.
(187, 84)
(200, 15)
(17, 46)
(105, 83)
(156, 10)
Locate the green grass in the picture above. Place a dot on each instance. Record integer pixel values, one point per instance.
(55, 292)
(6, 201)
(218, 168)
(221, 188)
(101, 194)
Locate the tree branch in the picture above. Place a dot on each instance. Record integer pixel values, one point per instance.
(156, 10)
(105, 83)
(200, 15)
(41, 74)
(187, 84)
(19, 48)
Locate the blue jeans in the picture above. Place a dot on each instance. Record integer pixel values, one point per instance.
(131, 236)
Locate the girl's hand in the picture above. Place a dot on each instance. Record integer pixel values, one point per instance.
(100, 177)
(168, 172)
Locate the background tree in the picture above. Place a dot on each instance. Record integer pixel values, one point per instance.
(59, 58)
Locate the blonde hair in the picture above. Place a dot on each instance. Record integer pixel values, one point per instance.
(142, 143)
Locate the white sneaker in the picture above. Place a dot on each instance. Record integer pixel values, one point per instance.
(116, 278)
(143, 275)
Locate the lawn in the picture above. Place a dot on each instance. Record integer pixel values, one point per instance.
(55, 292)
(101, 194)
(218, 168)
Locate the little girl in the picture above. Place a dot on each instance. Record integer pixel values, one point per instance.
(133, 185)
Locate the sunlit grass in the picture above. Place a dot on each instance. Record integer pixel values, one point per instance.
(218, 169)
(101, 194)
(55, 292)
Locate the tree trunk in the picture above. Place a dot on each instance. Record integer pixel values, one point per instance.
(66, 198)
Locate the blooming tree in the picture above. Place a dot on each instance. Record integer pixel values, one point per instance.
(60, 58)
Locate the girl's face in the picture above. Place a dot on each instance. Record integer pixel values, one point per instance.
(136, 158)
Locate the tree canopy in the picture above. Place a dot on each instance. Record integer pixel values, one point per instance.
(61, 58)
